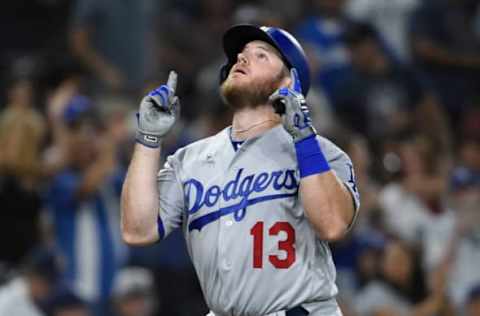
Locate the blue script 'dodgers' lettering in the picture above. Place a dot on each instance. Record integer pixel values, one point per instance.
(229, 192)
(261, 182)
(196, 196)
(193, 186)
(212, 195)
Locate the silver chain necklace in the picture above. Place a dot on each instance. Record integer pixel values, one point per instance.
(249, 128)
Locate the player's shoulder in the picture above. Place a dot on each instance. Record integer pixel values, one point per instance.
(331, 150)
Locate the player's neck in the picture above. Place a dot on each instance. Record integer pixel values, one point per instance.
(248, 123)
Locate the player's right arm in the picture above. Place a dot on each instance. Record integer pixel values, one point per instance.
(329, 202)
(140, 194)
(139, 201)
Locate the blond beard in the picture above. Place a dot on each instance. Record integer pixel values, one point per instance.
(252, 94)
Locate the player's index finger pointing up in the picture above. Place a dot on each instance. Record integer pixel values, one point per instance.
(295, 84)
(172, 80)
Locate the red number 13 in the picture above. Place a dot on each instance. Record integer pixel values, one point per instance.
(287, 245)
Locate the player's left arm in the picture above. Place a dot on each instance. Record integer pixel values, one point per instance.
(327, 186)
(330, 202)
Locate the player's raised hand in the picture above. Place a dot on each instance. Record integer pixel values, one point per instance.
(158, 112)
(290, 103)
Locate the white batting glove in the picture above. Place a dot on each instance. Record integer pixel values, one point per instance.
(290, 103)
(158, 112)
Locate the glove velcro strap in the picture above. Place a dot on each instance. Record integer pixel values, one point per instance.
(148, 140)
(310, 157)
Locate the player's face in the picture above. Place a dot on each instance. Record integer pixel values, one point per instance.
(258, 72)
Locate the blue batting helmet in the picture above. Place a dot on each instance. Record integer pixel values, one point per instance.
(289, 48)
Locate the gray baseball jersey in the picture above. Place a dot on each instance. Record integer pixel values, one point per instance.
(249, 238)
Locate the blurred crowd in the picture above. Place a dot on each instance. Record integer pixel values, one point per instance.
(396, 85)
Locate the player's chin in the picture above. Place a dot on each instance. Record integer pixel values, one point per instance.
(237, 79)
(233, 84)
(233, 93)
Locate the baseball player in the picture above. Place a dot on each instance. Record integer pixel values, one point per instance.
(259, 201)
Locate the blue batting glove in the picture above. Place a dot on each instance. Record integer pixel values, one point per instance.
(290, 103)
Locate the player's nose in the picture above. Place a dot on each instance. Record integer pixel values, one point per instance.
(242, 58)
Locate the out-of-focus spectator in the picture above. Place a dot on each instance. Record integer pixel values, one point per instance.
(27, 294)
(65, 303)
(133, 292)
(84, 205)
(391, 18)
(380, 96)
(473, 303)
(356, 260)
(464, 252)
(366, 257)
(467, 173)
(22, 131)
(112, 39)
(414, 205)
(446, 46)
(191, 41)
(470, 121)
(360, 152)
(368, 261)
(119, 122)
(63, 81)
(321, 35)
(401, 289)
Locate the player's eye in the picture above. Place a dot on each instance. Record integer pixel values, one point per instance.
(262, 55)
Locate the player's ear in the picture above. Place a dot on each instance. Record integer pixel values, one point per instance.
(295, 84)
(286, 78)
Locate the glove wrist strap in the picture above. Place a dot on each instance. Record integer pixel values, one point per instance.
(148, 140)
(300, 135)
(310, 157)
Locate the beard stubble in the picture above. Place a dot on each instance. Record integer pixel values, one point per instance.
(252, 94)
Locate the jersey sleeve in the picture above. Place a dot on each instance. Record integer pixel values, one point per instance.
(343, 167)
(171, 201)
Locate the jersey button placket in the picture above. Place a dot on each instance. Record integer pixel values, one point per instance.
(227, 264)
(223, 262)
(226, 226)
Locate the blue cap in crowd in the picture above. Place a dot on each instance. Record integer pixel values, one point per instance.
(463, 178)
(79, 106)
